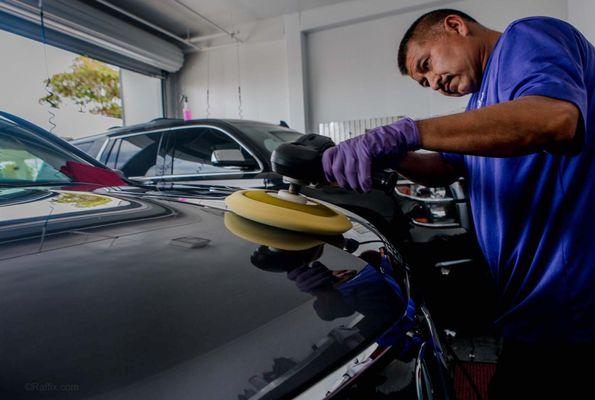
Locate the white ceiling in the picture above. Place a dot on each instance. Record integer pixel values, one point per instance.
(227, 13)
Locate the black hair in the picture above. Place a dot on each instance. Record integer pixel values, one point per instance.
(426, 21)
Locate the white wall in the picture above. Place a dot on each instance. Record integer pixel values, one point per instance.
(263, 73)
(349, 61)
(141, 97)
(581, 14)
(22, 75)
(352, 71)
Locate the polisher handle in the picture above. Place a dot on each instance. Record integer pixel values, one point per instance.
(384, 180)
(302, 161)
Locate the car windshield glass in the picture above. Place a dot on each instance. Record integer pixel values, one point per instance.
(269, 136)
(28, 159)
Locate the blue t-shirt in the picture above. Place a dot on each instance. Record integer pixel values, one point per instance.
(534, 215)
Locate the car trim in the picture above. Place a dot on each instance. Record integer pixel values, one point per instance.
(242, 145)
(436, 225)
(102, 149)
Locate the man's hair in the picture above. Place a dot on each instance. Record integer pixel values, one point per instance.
(426, 22)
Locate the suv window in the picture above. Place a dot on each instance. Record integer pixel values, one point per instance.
(86, 146)
(135, 155)
(91, 147)
(190, 151)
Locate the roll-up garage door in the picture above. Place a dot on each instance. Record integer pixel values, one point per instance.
(75, 26)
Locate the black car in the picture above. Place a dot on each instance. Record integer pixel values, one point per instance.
(431, 225)
(132, 292)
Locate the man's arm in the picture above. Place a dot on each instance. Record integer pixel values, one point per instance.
(527, 125)
(428, 169)
(514, 128)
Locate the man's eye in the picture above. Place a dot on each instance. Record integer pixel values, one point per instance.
(426, 65)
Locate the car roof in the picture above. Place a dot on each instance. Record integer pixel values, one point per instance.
(165, 123)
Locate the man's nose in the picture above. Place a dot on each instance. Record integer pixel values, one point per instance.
(434, 80)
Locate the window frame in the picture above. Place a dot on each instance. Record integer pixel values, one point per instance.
(168, 131)
(116, 141)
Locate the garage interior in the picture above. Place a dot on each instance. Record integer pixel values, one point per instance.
(316, 66)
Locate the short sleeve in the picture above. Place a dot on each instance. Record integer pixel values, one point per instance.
(543, 57)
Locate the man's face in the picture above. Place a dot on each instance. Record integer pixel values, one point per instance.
(447, 63)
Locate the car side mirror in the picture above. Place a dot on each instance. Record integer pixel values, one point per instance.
(232, 158)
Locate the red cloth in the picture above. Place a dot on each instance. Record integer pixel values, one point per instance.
(85, 173)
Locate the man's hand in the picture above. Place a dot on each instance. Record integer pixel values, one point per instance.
(350, 162)
(315, 277)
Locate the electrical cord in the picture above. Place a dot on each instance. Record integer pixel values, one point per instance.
(47, 70)
(240, 111)
(208, 84)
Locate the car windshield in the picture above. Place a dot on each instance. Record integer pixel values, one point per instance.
(268, 136)
(27, 159)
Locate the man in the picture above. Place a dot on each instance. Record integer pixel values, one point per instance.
(526, 147)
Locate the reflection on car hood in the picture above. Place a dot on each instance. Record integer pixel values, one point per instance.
(136, 296)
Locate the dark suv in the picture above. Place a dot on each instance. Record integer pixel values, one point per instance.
(215, 151)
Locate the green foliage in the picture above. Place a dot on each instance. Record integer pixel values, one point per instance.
(91, 84)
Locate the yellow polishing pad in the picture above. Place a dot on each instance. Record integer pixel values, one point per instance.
(269, 209)
(267, 235)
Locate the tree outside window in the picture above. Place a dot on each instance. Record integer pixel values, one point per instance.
(92, 85)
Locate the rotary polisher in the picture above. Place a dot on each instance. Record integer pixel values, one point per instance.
(300, 164)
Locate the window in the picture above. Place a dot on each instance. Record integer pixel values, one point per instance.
(83, 96)
(91, 147)
(190, 151)
(267, 136)
(85, 146)
(135, 155)
(28, 159)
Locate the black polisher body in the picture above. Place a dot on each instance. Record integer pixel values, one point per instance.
(302, 160)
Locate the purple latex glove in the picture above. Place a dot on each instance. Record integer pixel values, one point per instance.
(308, 279)
(350, 162)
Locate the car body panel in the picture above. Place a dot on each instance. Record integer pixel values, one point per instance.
(97, 293)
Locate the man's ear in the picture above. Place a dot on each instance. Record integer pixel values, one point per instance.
(456, 24)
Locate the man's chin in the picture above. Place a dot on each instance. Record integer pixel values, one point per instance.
(452, 94)
(464, 91)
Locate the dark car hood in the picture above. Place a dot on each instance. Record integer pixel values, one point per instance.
(114, 295)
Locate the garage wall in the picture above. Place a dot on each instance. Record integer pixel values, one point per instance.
(263, 72)
(580, 14)
(141, 97)
(352, 70)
